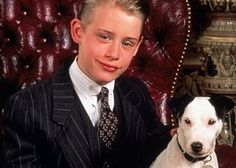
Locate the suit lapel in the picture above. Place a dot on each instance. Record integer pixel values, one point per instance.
(63, 97)
(70, 136)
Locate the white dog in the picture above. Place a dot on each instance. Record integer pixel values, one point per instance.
(200, 122)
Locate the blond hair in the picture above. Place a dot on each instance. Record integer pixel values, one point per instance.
(132, 7)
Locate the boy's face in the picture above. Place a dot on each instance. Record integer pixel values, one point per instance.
(107, 44)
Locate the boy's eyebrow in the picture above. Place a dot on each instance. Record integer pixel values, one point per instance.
(111, 33)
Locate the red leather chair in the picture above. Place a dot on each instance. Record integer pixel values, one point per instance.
(35, 40)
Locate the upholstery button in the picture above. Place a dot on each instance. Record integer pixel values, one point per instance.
(7, 40)
(25, 13)
(18, 22)
(74, 51)
(38, 51)
(59, 13)
(26, 66)
(44, 40)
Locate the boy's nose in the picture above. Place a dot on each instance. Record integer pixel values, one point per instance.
(113, 51)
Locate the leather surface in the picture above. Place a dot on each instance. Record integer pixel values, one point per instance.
(226, 156)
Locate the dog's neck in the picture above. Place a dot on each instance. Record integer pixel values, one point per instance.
(191, 158)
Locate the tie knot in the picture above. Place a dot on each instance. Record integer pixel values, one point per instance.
(103, 93)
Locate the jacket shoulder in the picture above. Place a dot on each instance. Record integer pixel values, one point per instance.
(132, 85)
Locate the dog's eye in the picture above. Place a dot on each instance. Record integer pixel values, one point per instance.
(211, 122)
(187, 121)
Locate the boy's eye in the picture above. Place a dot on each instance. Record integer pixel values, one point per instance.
(128, 43)
(104, 37)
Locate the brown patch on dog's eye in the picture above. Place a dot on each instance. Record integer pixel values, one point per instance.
(211, 122)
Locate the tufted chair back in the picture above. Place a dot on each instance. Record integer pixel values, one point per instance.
(35, 40)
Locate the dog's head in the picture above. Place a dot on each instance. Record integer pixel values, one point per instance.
(200, 121)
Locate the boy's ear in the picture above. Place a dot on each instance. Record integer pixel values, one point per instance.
(75, 30)
(136, 50)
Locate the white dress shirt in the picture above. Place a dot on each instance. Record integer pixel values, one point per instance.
(87, 91)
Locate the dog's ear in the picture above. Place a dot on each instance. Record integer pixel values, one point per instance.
(223, 105)
(178, 104)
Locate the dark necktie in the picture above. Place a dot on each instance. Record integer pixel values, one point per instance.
(107, 127)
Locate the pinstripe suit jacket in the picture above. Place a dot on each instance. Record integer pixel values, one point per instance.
(46, 126)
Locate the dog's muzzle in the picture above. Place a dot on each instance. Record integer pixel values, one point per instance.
(191, 158)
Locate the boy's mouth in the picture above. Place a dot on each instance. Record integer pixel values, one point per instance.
(108, 67)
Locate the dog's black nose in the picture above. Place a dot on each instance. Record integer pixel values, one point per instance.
(196, 147)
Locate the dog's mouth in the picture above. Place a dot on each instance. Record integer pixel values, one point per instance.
(194, 156)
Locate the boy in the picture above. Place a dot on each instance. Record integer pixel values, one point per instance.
(59, 122)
